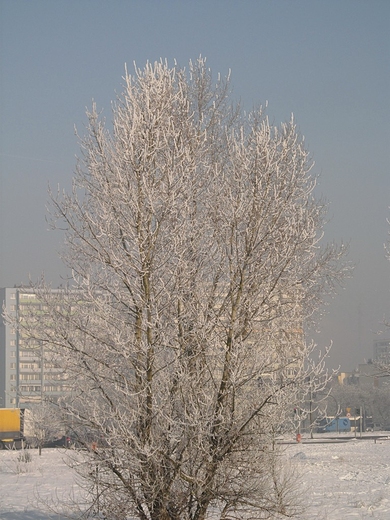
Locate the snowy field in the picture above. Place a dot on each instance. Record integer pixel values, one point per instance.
(348, 480)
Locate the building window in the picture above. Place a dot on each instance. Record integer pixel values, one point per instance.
(30, 377)
(12, 342)
(24, 388)
(33, 353)
(30, 366)
(53, 388)
(12, 365)
(12, 296)
(27, 296)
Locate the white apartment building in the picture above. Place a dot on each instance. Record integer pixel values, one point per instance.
(27, 375)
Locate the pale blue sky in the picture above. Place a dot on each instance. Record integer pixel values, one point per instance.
(326, 61)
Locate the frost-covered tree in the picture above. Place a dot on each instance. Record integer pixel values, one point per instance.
(374, 400)
(43, 425)
(192, 233)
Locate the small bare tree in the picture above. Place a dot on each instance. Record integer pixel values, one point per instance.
(193, 237)
(43, 424)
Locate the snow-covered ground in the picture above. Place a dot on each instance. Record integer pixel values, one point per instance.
(348, 480)
(37, 489)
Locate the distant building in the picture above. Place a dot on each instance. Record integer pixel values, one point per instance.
(27, 375)
(366, 376)
(382, 351)
(346, 378)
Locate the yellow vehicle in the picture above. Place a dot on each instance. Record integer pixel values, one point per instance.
(11, 427)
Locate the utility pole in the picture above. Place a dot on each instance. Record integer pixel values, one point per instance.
(310, 413)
